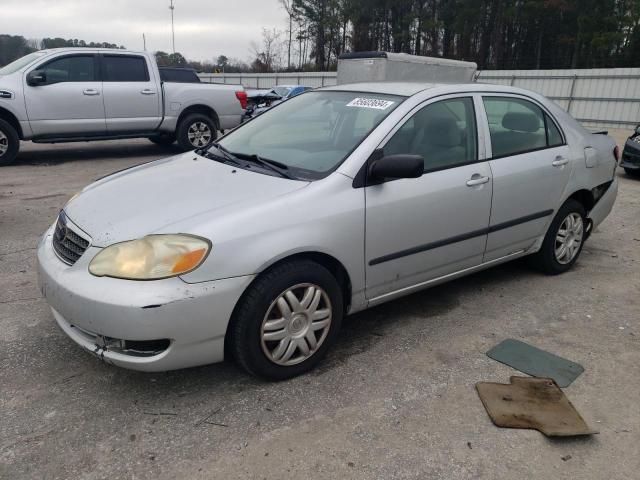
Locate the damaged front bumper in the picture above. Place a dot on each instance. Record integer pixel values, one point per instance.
(142, 325)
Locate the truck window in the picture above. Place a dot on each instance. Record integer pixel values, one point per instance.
(178, 75)
(124, 68)
(77, 68)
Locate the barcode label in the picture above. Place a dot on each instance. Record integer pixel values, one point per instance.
(370, 103)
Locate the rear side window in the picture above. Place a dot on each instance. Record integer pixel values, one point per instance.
(78, 68)
(178, 75)
(519, 126)
(125, 68)
(443, 133)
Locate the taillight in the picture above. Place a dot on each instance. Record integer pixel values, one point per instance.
(242, 96)
(616, 153)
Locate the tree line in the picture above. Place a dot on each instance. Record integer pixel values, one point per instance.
(13, 47)
(505, 34)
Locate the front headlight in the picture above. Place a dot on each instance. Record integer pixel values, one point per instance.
(151, 258)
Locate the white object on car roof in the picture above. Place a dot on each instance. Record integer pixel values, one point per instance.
(402, 67)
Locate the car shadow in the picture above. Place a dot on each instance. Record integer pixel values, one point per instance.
(57, 154)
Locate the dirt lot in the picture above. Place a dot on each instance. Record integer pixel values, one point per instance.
(394, 399)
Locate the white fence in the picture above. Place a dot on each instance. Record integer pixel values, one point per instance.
(602, 98)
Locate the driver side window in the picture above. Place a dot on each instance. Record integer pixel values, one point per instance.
(443, 133)
(77, 68)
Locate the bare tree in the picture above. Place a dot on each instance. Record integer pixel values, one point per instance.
(288, 7)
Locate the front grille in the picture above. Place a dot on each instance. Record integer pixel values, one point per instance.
(67, 244)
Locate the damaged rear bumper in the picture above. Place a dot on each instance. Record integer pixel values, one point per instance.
(604, 205)
(142, 325)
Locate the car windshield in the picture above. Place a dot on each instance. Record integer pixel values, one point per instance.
(19, 63)
(312, 134)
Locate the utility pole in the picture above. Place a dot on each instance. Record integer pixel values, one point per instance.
(173, 33)
(144, 42)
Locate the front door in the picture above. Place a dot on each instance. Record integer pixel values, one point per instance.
(132, 97)
(69, 101)
(421, 229)
(531, 166)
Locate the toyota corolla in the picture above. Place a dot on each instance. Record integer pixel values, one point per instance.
(334, 201)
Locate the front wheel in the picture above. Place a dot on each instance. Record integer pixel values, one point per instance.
(9, 143)
(564, 239)
(196, 131)
(287, 320)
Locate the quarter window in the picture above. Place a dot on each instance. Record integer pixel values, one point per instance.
(79, 68)
(443, 133)
(519, 126)
(125, 68)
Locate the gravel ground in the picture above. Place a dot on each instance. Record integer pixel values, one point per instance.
(394, 399)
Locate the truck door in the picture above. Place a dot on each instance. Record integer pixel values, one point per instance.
(68, 100)
(132, 96)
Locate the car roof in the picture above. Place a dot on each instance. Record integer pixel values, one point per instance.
(91, 49)
(406, 89)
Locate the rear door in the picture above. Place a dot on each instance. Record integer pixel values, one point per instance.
(69, 102)
(132, 96)
(531, 165)
(421, 229)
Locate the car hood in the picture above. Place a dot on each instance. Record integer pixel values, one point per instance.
(151, 198)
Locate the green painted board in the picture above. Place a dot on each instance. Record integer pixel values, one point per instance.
(536, 362)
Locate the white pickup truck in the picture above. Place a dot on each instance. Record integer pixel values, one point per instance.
(84, 94)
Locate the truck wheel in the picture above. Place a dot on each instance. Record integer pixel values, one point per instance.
(9, 143)
(196, 131)
(287, 320)
(163, 139)
(564, 240)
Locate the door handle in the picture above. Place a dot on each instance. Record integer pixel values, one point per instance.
(477, 180)
(147, 91)
(90, 91)
(560, 161)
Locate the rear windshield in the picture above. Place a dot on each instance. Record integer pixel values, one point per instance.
(312, 134)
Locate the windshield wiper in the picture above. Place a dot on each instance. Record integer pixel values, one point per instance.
(272, 165)
(225, 157)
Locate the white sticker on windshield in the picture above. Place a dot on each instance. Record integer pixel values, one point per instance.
(370, 103)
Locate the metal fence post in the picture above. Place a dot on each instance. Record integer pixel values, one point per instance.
(573, 88)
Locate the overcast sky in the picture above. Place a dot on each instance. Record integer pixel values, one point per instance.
(204, 28)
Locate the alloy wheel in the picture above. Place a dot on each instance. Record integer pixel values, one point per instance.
(569, 238)
(199, 134)
(296, 324)
(4, 143)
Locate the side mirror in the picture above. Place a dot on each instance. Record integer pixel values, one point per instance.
(36, 77)
(397, 166)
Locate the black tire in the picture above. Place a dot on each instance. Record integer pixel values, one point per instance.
(545, 260)
(246, 325)
(10, 143)
(632, 173)
(164, 139)
(182, 132)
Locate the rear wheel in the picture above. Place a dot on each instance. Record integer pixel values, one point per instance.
(9, 143)
(564, 239)
(632, 173)
(196, 131)
(287, 320)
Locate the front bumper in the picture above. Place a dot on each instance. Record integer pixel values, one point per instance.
(631, 155)
(97, 312)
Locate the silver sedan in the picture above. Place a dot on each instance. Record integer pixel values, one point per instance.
(334, 201)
